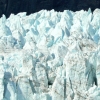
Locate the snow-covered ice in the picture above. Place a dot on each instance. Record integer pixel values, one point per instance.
(50, 55)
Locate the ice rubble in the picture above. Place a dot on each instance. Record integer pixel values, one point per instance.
(50, 55)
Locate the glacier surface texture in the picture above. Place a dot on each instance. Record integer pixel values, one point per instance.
(50, 55)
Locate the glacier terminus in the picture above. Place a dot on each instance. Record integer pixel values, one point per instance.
(50, 55)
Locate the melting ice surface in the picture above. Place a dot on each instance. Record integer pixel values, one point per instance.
(50, 55)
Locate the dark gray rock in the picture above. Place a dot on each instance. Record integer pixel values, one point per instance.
(30, 6)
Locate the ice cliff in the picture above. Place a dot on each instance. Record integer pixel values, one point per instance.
(50, 55)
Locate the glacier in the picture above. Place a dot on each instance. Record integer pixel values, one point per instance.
(50, 55)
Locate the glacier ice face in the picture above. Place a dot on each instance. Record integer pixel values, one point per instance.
(50, 55)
